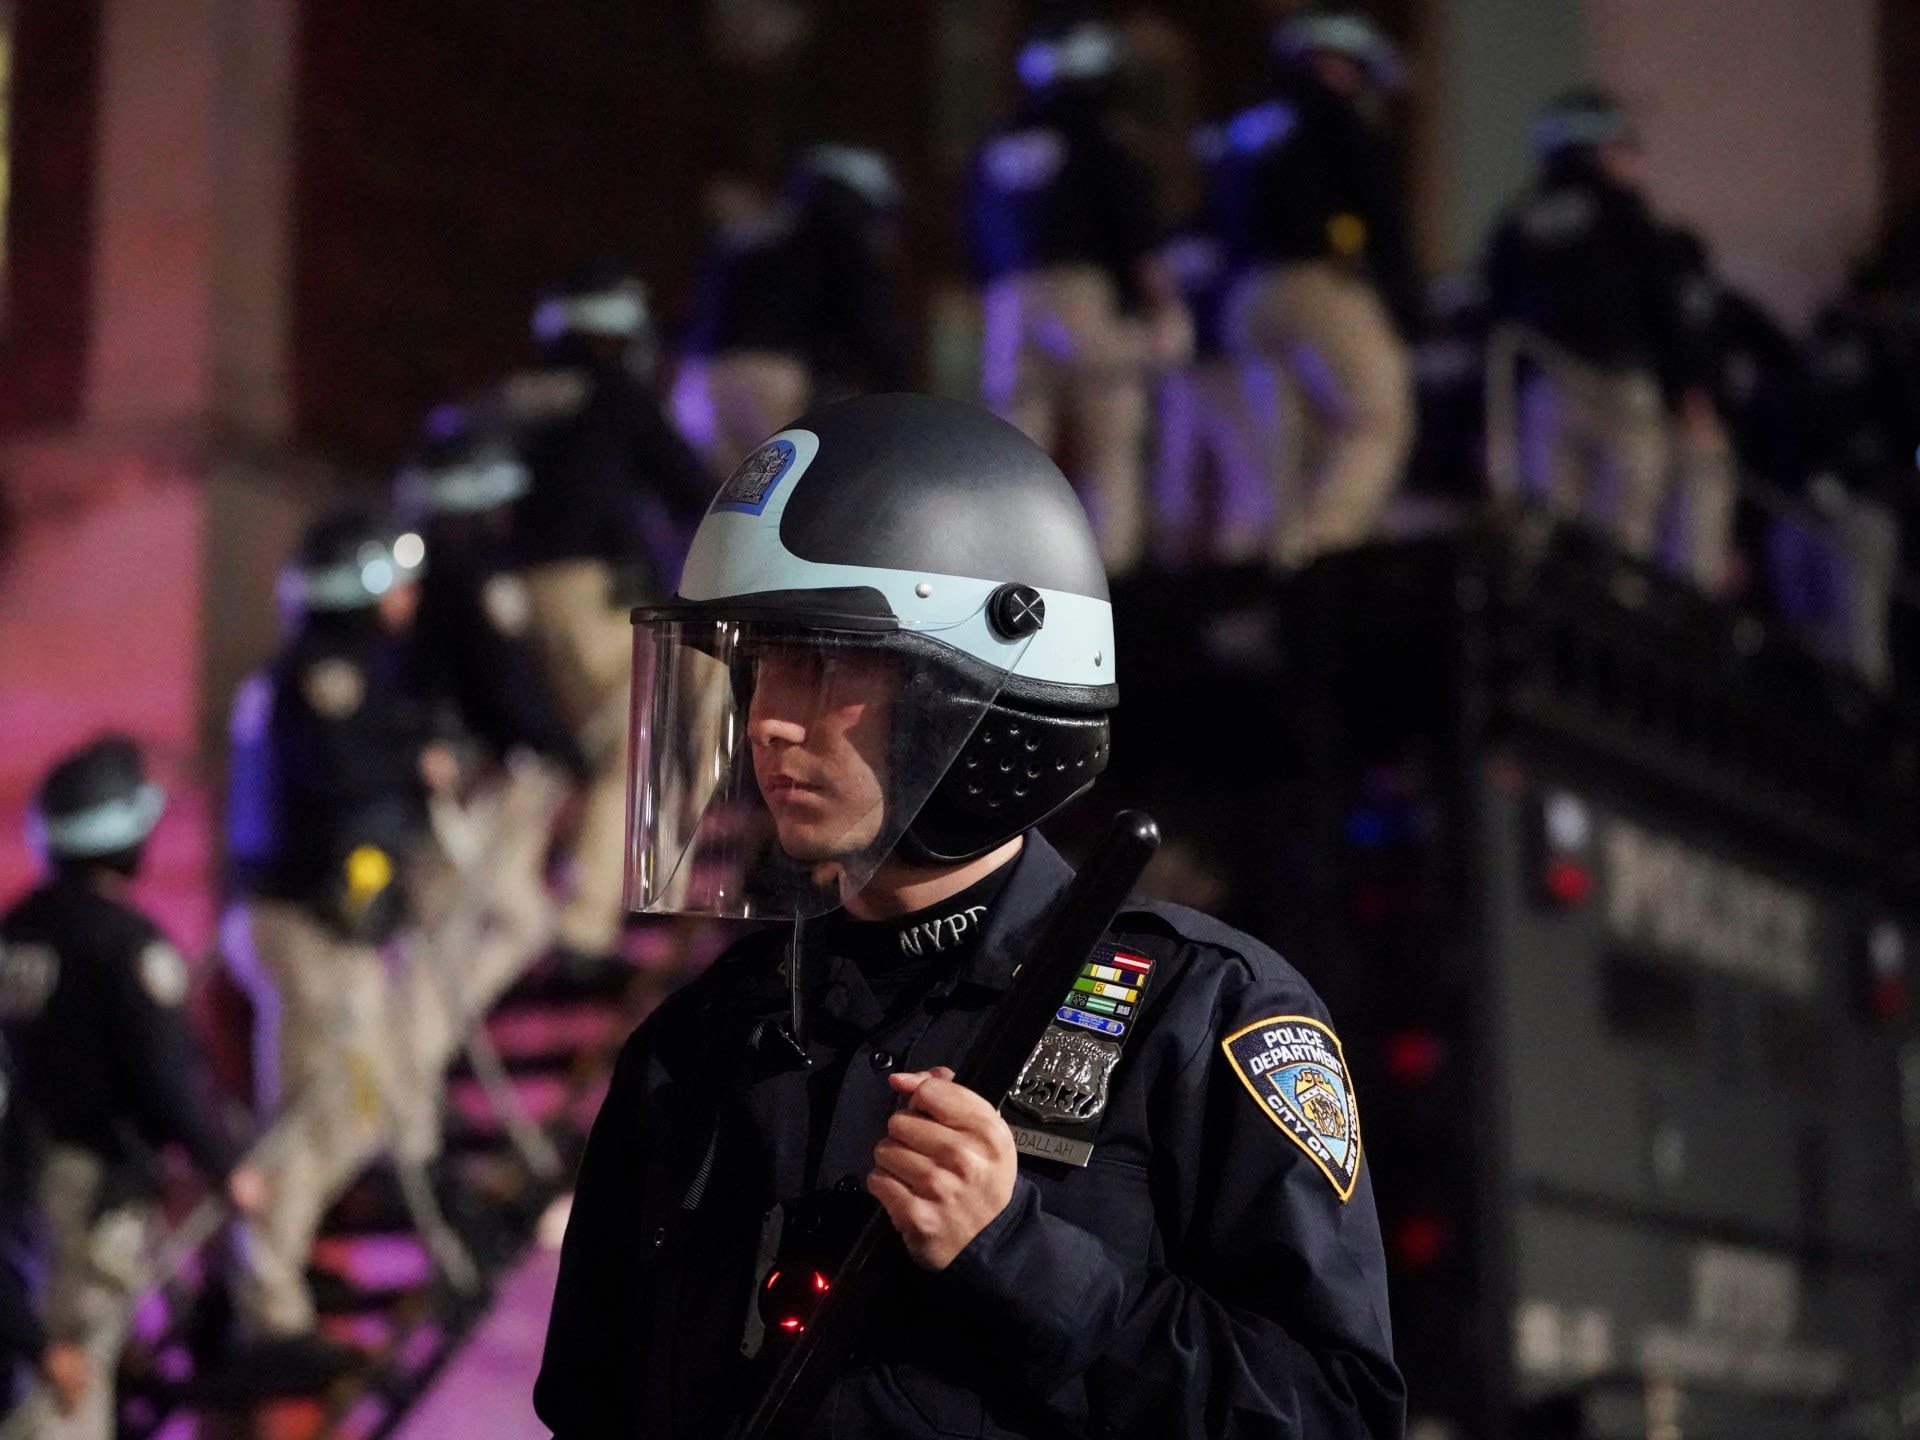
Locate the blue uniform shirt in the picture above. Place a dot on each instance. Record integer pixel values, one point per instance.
(1215, 1269)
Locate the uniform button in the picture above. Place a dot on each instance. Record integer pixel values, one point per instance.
(660, 1237)
(881, 1060)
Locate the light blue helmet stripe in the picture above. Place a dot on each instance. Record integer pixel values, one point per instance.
(738, 551)
(102, 829)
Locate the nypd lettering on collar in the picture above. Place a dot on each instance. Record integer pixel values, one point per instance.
(941, 935)
(1294, 1067)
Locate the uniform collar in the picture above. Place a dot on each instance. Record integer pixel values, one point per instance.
(1039, 875)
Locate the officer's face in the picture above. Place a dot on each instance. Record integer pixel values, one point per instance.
(819, 724)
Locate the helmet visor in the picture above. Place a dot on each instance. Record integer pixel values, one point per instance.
(775, 767)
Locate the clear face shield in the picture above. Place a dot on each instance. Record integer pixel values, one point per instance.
(773, 768)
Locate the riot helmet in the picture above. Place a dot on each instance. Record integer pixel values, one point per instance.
(467, 463)
(892, 637)
(1581, 120)
(1346, 35)
(1070, 53)
(861, 173)
(96, 806)
(592, 299)
(348, 567)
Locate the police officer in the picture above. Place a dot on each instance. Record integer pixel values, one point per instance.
(1079, 304)
(1310, 213)
(795, 298)
(610, 483)
(1168, 1231)
(488, 914)
(1580, 264)
(105, 1070)
(1705, 478)
(330, 767)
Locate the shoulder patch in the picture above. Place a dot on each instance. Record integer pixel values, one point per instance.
(1294, 1068)
(504, 597)
(333, 687)
(163, 974)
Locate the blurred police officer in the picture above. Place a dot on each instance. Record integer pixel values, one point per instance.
(1170, 1230)
(796, 299)
(611, 483)
(24, 1343)
(1079, 304)
(1309, 208)
(1580, 264)
(477, 667)
(326, 810)
(105, 1070)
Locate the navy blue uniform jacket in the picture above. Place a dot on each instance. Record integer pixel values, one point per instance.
(1200, 1277)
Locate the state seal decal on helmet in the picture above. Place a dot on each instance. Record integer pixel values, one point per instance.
(1294, 1067)
(750, 486)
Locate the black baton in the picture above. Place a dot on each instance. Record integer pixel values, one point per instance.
(991, 1067)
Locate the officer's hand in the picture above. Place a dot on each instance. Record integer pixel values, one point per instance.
(65, 1366)
(440, 768)
(945, 1169)
(247, 1189)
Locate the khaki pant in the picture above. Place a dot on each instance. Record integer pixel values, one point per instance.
(1594, 447)
(1706, 478)
(484, 919)
(587, 647)
(1057, 347)
(728, 405)
(1341, 434)
(325, 1049)
(95, 1270)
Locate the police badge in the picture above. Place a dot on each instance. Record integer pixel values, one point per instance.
(1064, 1083)
(750, 487)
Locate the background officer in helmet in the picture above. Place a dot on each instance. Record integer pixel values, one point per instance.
(331, 763)
(1065, 231)
(1579, 262)
(797, 299)
(906, 700)
(611, 483)
(487, 913)
(105, 1070)
(1308, 205)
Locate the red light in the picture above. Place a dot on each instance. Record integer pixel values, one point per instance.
(773, 1280)
(819, 1283)
(1568, 881)
(792, 1323)
(1414, 1056)
(1888, 998)
(1419, 1241)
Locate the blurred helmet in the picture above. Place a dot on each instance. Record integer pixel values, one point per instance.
(913, 555)
(1346, 33)
(97, 801)
(863, 173)
(602, 300)
(1070, 50)
(1581, 119)
(345, 562)
(465, 464)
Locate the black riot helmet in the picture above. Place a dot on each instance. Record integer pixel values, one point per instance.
(595, 313)
(96, 806)
(1069, 54)
(345, 563)
(467, 462)
(1581, 121)
(1346, 34)
(912, 555)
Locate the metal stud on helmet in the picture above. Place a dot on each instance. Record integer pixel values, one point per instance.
(916, 528)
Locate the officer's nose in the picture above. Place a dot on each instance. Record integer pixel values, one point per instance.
(779, 711)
